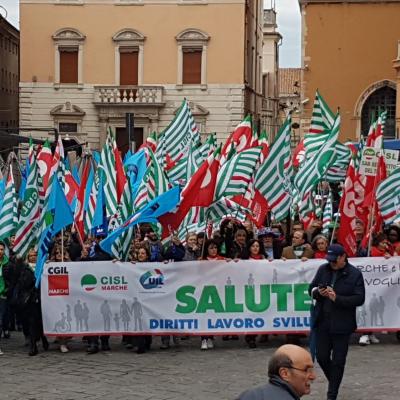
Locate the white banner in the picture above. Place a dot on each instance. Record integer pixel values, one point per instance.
(369, 160)
(203, 297)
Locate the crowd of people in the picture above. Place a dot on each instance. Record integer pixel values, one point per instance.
(20, 299)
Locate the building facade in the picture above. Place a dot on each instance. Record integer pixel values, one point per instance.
(272, 41)
(9, 67)
(85, 64)
(289, 99)
(351, 53)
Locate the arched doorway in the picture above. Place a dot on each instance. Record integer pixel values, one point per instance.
(379, 100)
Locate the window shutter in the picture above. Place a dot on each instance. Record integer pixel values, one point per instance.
(191, 67)
(128, 68)
(68, 66)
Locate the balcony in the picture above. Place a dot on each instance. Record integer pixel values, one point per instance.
(128, 96)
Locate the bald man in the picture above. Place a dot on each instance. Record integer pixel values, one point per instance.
(290, 372)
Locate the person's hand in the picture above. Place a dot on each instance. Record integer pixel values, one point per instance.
(115, 260)
(304, 259)
(236, 259)
(331, 294)
(324, 292)
(387, 255)
(283, 258)
(307, 246)
(133, 262)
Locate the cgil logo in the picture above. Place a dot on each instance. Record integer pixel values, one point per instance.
(58, 281)
(88, 282)
(152, 279)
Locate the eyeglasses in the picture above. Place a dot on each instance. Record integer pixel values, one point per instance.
(307, 370)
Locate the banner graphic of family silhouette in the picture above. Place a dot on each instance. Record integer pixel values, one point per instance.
(203, 297)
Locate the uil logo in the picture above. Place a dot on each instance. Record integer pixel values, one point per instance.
(152, 279)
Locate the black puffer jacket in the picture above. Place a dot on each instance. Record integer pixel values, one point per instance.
(350, 294)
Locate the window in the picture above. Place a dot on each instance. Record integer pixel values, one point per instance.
(69, 66)
(380, 100)
(128, 72)
(67, 127)
(129, 50)
(191, 73)
(68, 118)
(68, 44)
(192, 58)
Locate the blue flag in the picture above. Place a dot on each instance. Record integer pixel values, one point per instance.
(62, 213)
(88, 189)
(24, 178)
(2, 191)
(98, 212)
(136, 167)
(75, 174)
(153, 210)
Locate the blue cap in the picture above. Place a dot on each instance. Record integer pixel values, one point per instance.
(267, 232)
(334, 251)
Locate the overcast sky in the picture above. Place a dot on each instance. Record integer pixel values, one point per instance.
(288, 26)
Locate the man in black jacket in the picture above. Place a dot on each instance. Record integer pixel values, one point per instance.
(290, 372)
(338, 289)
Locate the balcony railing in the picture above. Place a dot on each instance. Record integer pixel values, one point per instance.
(128, 95)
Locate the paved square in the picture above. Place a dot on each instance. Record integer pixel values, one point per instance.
(180, 373)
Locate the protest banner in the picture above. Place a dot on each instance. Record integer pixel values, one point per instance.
(369, 160)
(203, 297)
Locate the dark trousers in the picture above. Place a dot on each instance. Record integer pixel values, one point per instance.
(331, 356)
(3, 310)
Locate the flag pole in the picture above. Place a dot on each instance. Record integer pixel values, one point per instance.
(335, 225)
(62, 244)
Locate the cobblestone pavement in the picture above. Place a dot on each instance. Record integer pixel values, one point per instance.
(181, 373)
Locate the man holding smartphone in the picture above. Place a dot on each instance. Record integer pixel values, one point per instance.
(338, 289)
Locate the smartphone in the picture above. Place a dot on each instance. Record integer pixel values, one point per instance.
(322, 286)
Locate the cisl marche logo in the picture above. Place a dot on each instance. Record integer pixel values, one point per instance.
(88, 282)
(152, 279)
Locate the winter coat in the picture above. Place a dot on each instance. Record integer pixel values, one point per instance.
(350, 294)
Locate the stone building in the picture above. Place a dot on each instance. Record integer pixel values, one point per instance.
(85, 64)
(351, 53)
(9, 67)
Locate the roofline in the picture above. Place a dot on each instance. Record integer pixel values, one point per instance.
(10, 25)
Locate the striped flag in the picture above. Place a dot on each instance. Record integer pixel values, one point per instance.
(322, 118)
(150, 142)
(27, 230)
(9, 208)
(120, 248)
(388, 197)
(235, 175)
(272, 179)
(107, 165)
(153, 184)
(315, 168)
(176, 138)
(322, 121)
(194, 160)
(225, 207)
(337, 172)
(209, 146)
